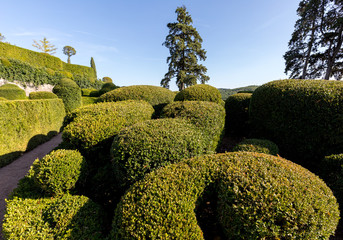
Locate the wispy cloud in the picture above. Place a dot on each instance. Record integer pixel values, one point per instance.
(269, 23)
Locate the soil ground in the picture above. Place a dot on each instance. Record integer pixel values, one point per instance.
(12, 173)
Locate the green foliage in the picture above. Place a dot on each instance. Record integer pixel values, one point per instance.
(199, 92)
(209, 117)
(69, 51)
(67, 217)
(45, 46)
(149, 145)
(184, 43)
(303, 117)
(228, 92)
(107, 79)
(89, 100)
(58, 172)
(35, 121)
(237, 114)
(107, 87)
(93, 65)
(93, 127)
(3, 99)
(257, 145)
(70, 93)
(12, 92)
(259, 197)
(42, 95)
(87, 91)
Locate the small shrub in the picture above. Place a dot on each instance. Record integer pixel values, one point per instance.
(58, 172)
(199, 92)
(95, 93)
(260, 196)
(107, 79)
(237, 114)
(67, 217)
(209, 117)
(257, 145)
(42, 95)
(107, 87)
(149, 145)
(12, 92)
(70, 93)
(87, 91)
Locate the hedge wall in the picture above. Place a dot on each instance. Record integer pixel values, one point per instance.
(12, 92)
(303, 117)
(25, 124)
(253, 203)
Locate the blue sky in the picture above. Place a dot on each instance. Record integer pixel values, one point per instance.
(244, 40)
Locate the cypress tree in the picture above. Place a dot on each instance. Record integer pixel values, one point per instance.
(184, 43)
(93, 66)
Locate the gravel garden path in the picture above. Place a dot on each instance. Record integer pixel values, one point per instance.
(12, 173)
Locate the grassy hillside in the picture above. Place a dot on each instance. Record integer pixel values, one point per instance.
(226, 92)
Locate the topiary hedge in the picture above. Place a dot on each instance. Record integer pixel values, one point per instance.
(303, 117)
(149, 145)
(237, 114)
(12, 92)
(89, 100)
(257, 145)
(209, 117)
(87, 91)
(42, 95)
(199, 92)
(94, 126)
(58, 172)
(67, 217)
(259, 197)
(26, 124)
(3, 99)
(158, 97)
(70, 93)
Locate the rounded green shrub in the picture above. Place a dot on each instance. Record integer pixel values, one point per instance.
(70, 93)
(259, 196)
(199, 92)
(156, 96)
(149, 145)
(237, 114)
(42, 95)
(303, 117)
(67, 217)
(94, 126)
(87, 91)
(12, 92)
(58, 172)
(257, 145)
(209, 117)
(107, 87)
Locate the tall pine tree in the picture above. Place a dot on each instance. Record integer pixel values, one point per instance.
(184, 43)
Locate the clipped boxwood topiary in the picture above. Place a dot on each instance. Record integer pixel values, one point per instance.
(158, 97)
(12, 92)
(58, 172)
(42, 95)
(87, 91)
(257, 145)
(199, 92)
(107, 87)
(3, 99)
(93, 127)
(303, 117)
(237, 114)
(67, 217)
(260, 196)
(209, 117)
(148, 145)
(70, 93)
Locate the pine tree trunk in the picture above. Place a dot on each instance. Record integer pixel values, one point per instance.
(309, 50)
(68, 59)
(332, 58)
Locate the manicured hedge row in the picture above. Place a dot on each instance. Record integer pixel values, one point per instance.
(209, 117)
(70, 93)
(95, 125)
(42, 95)
(200, 92)
(67, 217)
(257, 145)
(259, 197)
(237, 114)
(149, 145)
(303, 117)
(25, 124)
(12, 92)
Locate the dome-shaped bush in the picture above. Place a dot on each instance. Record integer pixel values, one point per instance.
(199, 92)
(237, 114)
(209, 117)
(70, 93)
(148, 145)
(303, 117)
(107, 87)
(42, 95)
(259, 196)
(58, 172)
(257, 145)
(12, 92)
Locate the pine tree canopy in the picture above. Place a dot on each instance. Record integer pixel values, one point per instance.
(184, 43)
